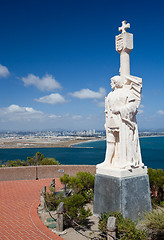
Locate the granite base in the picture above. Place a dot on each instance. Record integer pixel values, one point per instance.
(129, 195)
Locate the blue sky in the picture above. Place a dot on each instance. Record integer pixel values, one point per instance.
(57, 58)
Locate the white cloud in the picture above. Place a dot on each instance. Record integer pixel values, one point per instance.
(53, 116)
(46, 83)
(53, 98)
(4, 72)
(15, 117)
(15, 112)
(77, 117)
(15, 108)
(31, 110)
(161, 112)
(87, 93)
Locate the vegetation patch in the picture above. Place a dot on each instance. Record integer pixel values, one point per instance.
(125, 228)
(78, 191)
(154, 222)
(156, 178)
(37, 159)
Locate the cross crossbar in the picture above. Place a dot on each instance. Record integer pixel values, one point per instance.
(124, 26)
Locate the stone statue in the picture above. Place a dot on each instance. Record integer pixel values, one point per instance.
(123, 149)
(121, 181)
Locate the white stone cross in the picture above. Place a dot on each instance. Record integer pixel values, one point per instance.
(124, 26)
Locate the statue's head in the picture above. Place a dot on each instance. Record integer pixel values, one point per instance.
(116, 82)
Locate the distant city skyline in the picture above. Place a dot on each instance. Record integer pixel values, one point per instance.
(57, 58)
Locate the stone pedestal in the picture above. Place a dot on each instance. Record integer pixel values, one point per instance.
(130, 195)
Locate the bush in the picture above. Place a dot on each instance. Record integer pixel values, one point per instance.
(74, 207)
(102, 225)
(65, 180)
(49, 161)
(38, 159)
(89, 195)
(82, 192)
(53, 199)
(126, 229)
(14, 163)
(156, 178)
(82, 183)
(155, 222)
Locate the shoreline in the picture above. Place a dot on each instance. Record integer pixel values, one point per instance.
(58, 144)
(88, 141)
(105, 139)
(71, 143)
(151, 136)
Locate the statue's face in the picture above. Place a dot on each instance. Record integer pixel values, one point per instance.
(116, 82)
(112, 84)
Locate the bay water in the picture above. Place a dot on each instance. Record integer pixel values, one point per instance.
(90, 153)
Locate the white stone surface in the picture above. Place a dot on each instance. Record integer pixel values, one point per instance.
(124, 26)
(124, 45)
(123, 148)
(121, 173)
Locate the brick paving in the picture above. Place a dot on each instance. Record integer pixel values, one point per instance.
(18, 211)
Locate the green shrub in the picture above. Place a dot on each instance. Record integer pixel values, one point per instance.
(102, 225)
(73, 206)
(82, 192)
(31, 161)
(155, 222)
(38, 159)
(53, 199)
(156, 178)
(14, 163)
(82, 183)
(126, 229)
(65, 180)
(49, 161)
(89, 195)
(83, 214)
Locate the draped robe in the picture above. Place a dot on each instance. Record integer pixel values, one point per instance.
(121, 129)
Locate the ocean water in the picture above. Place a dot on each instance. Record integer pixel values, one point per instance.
(90, 153)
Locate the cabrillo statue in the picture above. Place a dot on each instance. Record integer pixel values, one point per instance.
(123, 148)
(121, 181)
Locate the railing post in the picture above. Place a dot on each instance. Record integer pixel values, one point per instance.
(42, 198)
(59, 219)
(111, 228)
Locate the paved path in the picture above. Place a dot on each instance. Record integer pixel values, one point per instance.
(18, 211)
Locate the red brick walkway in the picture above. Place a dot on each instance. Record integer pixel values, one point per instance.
(18, 210)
